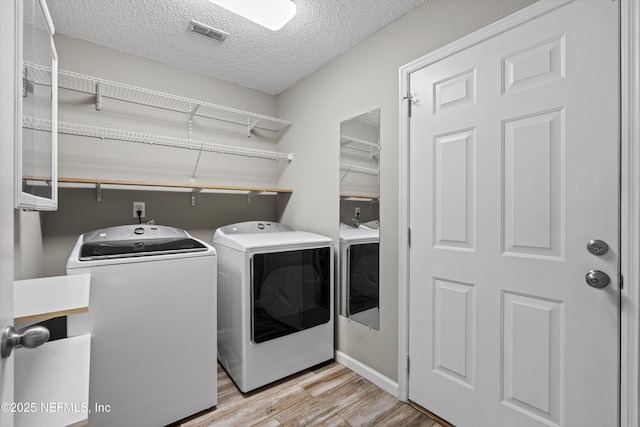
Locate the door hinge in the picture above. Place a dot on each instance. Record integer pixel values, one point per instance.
(408, 364)
(410, 100)
(409, 236)
(621, 280)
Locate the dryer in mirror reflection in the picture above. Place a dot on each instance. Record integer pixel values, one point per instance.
(359, 286)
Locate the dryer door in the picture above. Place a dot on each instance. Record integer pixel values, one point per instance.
(290, 292)
(363, 277)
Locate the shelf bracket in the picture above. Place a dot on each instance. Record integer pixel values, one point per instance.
(195, 167)
(98, 192)
(195, 192)
(346, 172)
(193, 111)
(280, 131)
(252, 194)
(251, 125)
(98, 96)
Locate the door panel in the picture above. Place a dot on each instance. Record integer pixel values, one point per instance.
(454, 190)
(533, 169)
(532, 355)
(513, 169)
(454, 332)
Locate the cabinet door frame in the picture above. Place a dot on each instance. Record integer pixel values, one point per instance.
(23, 199)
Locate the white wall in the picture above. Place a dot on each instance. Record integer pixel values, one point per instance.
(89, 58)
(364, 78)
(79, 211)
(94, 158)
(27, 251)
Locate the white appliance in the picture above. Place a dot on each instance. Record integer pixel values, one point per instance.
(275, 301)
(152, 320)
(359, 274)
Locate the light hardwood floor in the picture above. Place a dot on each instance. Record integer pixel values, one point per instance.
(327, 395)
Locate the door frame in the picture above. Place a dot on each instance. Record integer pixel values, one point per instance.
(8, 130)
(629, 191)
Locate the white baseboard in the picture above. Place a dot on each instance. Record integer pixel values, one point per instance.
(370, 374)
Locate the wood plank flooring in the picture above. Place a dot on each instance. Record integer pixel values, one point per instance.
(326, 395)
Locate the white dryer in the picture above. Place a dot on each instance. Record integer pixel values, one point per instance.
(275, 301)
(152, 322)
(359, 274)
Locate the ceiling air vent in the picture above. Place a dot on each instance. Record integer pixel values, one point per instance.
(207, 31)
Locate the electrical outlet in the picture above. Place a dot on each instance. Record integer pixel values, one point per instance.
(357, 213)
(138, 206)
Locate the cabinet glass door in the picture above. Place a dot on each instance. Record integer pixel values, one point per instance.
(37, 142)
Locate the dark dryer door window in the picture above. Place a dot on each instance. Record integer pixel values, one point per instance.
(290, 292)
(363, 277)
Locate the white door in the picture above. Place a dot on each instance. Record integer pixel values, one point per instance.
(513, 169)
(7, 129)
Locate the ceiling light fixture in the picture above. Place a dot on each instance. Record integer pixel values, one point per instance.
(271, 14)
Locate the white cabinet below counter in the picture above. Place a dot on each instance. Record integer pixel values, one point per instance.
(52, 383)
(52, 380)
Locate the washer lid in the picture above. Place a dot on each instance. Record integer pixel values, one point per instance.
(359, 235)
(250, 227)
(136, 240)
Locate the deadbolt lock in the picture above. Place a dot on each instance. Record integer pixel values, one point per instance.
(597, 247)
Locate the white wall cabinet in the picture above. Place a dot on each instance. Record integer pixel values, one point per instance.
(36, 152)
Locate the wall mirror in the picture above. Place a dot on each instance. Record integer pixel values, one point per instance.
(359, 219)
(36, 151)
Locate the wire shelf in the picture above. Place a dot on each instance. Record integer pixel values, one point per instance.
(109, 89)
(359, 169)
(39, 74)
(144, 138)
(346, 140)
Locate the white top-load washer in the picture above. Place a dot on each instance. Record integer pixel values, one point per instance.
(275, 301)
(152, 319)
(359, 274)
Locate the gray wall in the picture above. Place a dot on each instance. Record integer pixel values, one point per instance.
(364, 78)
(79, 211)
(369, 211)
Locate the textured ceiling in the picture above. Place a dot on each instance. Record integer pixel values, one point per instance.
(252, 56)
